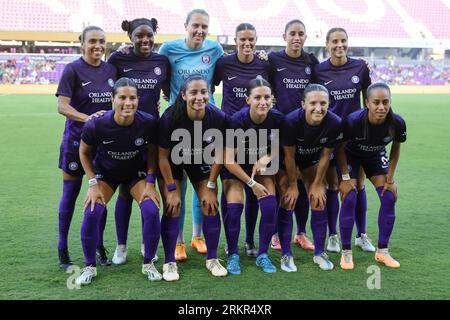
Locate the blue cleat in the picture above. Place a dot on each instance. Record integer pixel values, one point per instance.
(233, 265)
(265, 264)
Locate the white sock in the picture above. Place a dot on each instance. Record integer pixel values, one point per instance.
(180, 238)
(196, 230)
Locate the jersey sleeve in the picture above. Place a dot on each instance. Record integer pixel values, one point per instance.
(67, 82)
(88, 135)
(164, 133)
(218, 72)
(336, 135)
(400, 130)
(346, 130)
(164, 50)
(366, 81)
(288, 132)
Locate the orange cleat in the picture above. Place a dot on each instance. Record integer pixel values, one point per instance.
(383, 256)
(275, 243)
(303, 241)
(180, 252)
(347, 260)
(198, 243)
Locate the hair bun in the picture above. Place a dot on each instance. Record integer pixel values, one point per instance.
(125, 25)
(154, 24)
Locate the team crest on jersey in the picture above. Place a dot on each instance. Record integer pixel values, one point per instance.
(387, 139)
(139, 142)
(157, 71)
(308, 70)
(73, 166)
(111, 82)
(206, 58)
(323, 140)
(76, 144)
(355, 79)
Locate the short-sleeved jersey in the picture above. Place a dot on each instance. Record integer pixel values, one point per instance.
(235, 76)
(344, 83)
(120, 150)
(310, 140)
(149, 73)
(90, 90)
(366, 140)
(289, 78)
(214, 119)
(265, 134)
(185, 62)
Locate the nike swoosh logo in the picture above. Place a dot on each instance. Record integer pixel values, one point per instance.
(178, 60)
(359, 138)
(281, 69)
(231, 78)
(328, 82)
(300, 140)
(126, 70)
(85, 84)
(108, 142)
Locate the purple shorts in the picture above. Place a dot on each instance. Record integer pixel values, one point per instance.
(194, 172)
(70, 163)
(373, 166)
(115, 183)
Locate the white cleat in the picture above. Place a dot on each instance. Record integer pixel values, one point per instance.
(287, 264)
(86, 276)
(170, 271)
(364, 243)
(155, 258)
(333, 244)
(150, 271)
(120, 254)
(323, 261)
(216, 268)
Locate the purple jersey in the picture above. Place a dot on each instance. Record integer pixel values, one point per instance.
(90, 90)
(242, 120)
(345, 84)
(310, 140)
(289, 78)
(120, 149)
(235, 77)
(367, 140)
(149, 73)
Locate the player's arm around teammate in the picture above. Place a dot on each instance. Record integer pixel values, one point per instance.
(366, 133)
(122, 138)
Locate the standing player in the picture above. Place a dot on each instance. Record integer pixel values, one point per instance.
(345, 78)
(84, 92)
(122, 137)
(291, 72)
(366, 133)
(150, 71)
(235, 72)
(310, 135)
(193, 55)
(193, 116)
(257, 122)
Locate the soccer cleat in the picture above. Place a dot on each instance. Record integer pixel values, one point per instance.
(216, 268)
(150, 271)
(64, 259)
(364, 243)
(155, 258)
(170, 272)
(287, 264)
(250, 249)
(323, 261)
(86, 275)
(383, 256)
(303, 241)
(275, 243)
(101, 257)
(198, 243)
(265, 264)
(180, 252)
(233, 265)
(120, 254)
(347, 260)
(333, 244)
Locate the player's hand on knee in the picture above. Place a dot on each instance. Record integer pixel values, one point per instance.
(173, 203)
(260, 191)
(345, 187)
(209, 203)
(93, 196)
(290, 197)
(317, 197)
(390, 186)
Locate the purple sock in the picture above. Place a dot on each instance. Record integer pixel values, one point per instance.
(101, 227)
(122, 216)
(319, 221)
(211, 230)
(267, 223)
(232, 224)
(223, 205)
(332, 210)
(89, 232)
(301, 208)
(360, 212)
(152, 229)
(347, 219)
(386, 217)
(285, 230)
(71, 189)
(169, 233)
(251, 214)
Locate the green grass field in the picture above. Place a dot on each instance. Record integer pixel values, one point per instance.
(30, 188)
